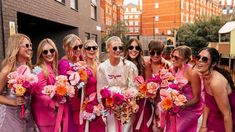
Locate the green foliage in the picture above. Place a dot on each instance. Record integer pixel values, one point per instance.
(119, 30)
(201, 32)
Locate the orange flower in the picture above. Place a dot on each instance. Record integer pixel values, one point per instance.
(83, 74)
(61, 90)
(84, 104)
(20, 91)
(143, 88)
(109, 102)
(167, 103)
(171, 78)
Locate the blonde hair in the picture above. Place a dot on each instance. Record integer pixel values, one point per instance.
(112, 40)
(69, 41)
(41, 62)
(91, 42)
(12, 50)
(184, 51)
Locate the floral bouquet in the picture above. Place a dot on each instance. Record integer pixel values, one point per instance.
(21, 82)
(60, 91)
(171, 100)
(91, 108)
(121, 102)
(77, 75)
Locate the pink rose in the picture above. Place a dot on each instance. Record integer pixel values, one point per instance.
(174, 86)
(26, 84)
(105, 93)
(118, 98)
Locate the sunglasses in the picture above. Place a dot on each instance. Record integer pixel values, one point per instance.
(91, 47)
(202, 58)
(45, 52)
(175, 57)
(153, 52)
(78, 46)
(134, 47)
(115, 48)
(27, 45)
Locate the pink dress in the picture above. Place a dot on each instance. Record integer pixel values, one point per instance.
(187, 118)
(96, 125)
(74, 124)
(215, 120)
(43, 106)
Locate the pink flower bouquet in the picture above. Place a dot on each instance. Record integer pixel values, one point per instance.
(21, 82)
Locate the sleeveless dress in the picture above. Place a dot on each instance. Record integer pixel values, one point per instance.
(96, 125)
(186, 118)
(10, 120)
(43, 106)
(215, 120)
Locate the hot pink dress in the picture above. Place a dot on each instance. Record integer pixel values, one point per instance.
(43, 106)
(186, 119)
(96, 125)
(215, 121)
(74, 104)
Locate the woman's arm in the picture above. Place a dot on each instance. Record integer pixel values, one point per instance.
(206, 112)
(195, 81)
(219, 91)
(101, 81)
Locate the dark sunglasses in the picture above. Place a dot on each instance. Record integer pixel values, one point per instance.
(115, 48)
(134, 47)
(175, 57)
(78, 46)
(45, 52)
(202, 58)
(91, 47)
(153, 52)
(27, 45)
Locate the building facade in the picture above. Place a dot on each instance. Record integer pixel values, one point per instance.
(49, 18)
(132, 17)
(161, 17)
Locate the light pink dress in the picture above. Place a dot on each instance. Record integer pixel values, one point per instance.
(43, 106)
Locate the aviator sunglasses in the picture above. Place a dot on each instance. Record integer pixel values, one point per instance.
(134, 47)
(153, 52)
(202, 58)
(45, 52)
(115, 48)
(78, 46)
(91, 47)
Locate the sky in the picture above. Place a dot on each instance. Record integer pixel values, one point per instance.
(131, 1)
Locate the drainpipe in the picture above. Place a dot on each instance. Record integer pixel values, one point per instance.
(3, 36)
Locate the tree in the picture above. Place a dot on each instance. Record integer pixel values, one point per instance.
(119, 30)
(199, 34)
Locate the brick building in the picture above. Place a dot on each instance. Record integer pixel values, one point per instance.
(161, 17)
(49, 18)
(132, 17)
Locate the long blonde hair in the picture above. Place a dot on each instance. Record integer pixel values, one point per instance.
(12, 50)
(41, 62)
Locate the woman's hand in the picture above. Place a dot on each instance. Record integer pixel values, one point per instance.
(18, 101)
(203, 129)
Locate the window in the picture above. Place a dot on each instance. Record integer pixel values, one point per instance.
(136, 30)
(131, 30)
(126, 9)
(93, 9)
(130, 23)
(187, 18)
(156, 18)
(136, 16)
(187, 6)
(156, 30)
(182, 4)
(131, 17)
(61, 1)
(126, 23)
(126, 16)
(136, 23)
(182, 17)
(87, 36)
(168, 32)
(156, 5)
(74, 4)
(133, 9)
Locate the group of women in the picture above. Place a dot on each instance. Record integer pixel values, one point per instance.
(216, 104)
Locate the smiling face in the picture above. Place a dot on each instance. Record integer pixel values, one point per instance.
(48, 53)
(115, 49)
(25, 50)
(91, 49)
(203, 61)
(77, 48)
(133, 50)
(176, 59)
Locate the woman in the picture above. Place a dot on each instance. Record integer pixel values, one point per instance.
(186, 118)
(218, 112)
(18, 52)
(72, 46)
(43, 106)
(90, 56)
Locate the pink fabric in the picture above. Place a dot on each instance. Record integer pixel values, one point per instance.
(215, 120)
(42, 105)
(74, 104)
(187, 118)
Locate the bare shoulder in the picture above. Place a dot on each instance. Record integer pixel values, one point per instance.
(218, 82)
